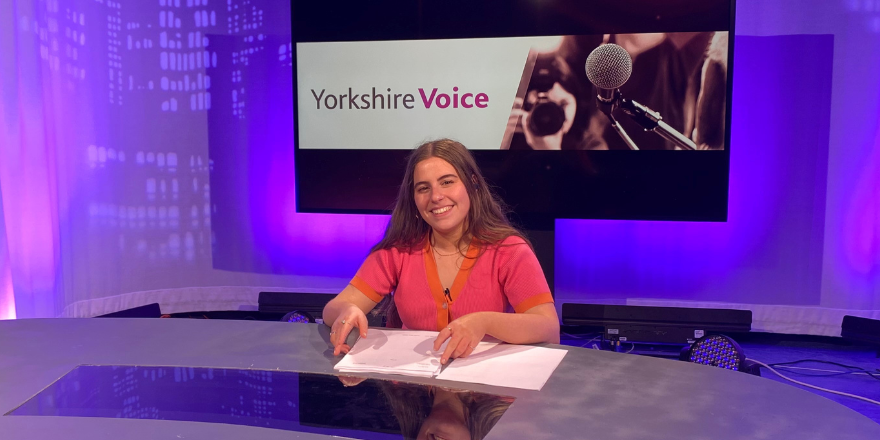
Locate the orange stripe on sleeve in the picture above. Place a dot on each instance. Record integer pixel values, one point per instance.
(533, 301)
(365, 288)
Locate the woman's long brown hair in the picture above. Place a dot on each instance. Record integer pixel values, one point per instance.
(486, 219)
(412, 403)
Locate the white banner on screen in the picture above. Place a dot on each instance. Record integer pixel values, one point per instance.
(462, 89)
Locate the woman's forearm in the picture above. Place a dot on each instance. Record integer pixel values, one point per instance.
(349, 297)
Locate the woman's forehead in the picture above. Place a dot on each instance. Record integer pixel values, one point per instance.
(433, 167)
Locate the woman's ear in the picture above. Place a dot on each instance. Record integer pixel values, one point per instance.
(474, 180)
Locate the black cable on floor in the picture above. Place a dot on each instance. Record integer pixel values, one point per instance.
(874, 375)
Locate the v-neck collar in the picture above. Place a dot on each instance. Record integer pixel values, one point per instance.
(437, 291)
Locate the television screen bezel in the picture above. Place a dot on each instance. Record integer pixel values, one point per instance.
(424, 26)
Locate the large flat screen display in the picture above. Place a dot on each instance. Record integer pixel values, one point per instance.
(609, 109)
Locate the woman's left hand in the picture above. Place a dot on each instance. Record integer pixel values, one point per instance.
(463, 334)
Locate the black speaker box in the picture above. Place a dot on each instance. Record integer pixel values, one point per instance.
(644, 324)
(860, 329)
(284, 302)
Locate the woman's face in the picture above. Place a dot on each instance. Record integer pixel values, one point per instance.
(444, 423)
(440, 195)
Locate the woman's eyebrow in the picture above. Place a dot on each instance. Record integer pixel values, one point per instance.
(445, 176)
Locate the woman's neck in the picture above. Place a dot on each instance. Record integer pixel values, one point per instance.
(448, 243)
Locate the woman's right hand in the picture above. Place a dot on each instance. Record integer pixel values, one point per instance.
(351, 317)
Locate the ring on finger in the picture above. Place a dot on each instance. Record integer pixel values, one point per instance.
(343, 322)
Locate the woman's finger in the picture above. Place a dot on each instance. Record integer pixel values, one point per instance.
(450, 348)
(341, 334)
(351, 381)
(471, 348)
(362, 325)
(462, 348)
(341, 349)
(334, 334)
(445, 334)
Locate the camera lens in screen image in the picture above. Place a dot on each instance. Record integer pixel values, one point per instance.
(680, 76)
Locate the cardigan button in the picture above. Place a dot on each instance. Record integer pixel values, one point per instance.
(444, 305)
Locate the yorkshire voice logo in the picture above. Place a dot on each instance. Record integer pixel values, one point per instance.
(392, 101)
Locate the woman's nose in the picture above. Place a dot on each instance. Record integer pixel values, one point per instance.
(437, 195)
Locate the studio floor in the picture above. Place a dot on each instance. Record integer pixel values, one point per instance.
(774, 349)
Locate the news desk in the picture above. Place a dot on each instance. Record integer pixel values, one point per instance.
(592, 394)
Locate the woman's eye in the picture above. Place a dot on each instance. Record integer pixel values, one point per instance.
(447, 182)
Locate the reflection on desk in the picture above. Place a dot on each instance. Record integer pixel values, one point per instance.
(592, 394)
(317, 403)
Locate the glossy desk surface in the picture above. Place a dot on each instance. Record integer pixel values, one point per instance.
(593, 394)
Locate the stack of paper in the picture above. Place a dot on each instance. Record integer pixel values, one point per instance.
(404, 352)
(412, 353)
(506, 365)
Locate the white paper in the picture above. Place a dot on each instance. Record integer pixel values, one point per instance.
(505, 365)
(394, 351)
(411, 353)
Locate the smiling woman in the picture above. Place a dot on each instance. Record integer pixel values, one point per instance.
(450, 261)
(442, 200)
